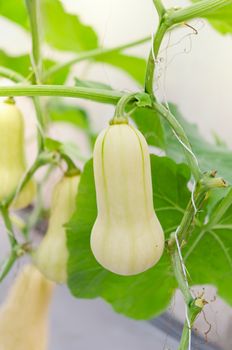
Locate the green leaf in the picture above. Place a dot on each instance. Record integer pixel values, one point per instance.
(65, 31)
(22, 65)
(148, 122)
(220, 19)
(146, 294)
(133, 66)
(16, 13)
(210, 156)
(60, 111)
(211, 248)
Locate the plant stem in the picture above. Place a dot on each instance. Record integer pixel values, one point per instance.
(207, 182)
(150, 71)
(9, 226)
(6, 267)
(33, 7)
(11, 75)
(36, 59)
(42, 159)
(200, 9)
(169, 18)
(98, 95)
(159, 8)
(180, 134)
(93, 54)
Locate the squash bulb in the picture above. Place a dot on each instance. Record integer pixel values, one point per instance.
(24, 315)
(127, 237)
(52, 254)
(12, 158)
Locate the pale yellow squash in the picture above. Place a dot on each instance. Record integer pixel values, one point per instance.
(12, 157)
(127, 237)
(24, 314)
(52, 254)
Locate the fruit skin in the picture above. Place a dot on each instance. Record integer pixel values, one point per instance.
(24, 314)
(52, 254)
(12, 158)
(127, 237)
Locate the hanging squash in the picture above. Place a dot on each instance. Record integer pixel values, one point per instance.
(52, 254)
(24, 314)
(12, 157)
(127, 237)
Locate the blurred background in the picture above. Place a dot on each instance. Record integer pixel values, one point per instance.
(194, 72)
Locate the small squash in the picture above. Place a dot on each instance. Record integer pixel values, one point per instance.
(127, 237)
(24, 315)
(12, 157)
(52, 254)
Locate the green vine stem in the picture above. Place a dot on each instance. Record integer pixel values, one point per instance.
(159, 8)
(33, 7)
(169, 18)
(11, 75)
(153, 56)
(208, 182)
(5, 268)
(36, 57)
(93, 54)
(43, 158)
(98, 95)
(180, 134)
(199, 9)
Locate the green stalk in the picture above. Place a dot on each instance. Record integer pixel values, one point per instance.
(33, 7)
(207, 182)
(159, 8)
(11, 75)
(171, 17)
(151, 64)
(200, 9)
(36, 59)
(180, 133)
(93, 54)
(98, 95)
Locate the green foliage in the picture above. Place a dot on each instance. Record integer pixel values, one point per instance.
(150, 125)
(59, 111)
(65, 32)
(209, 252)
(210, 156)
(69, 113)
(22, 65)
(146, 294)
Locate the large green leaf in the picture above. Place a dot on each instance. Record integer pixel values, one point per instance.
(220, 19)
(210, 156)
(146, 294)
(209, 252)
